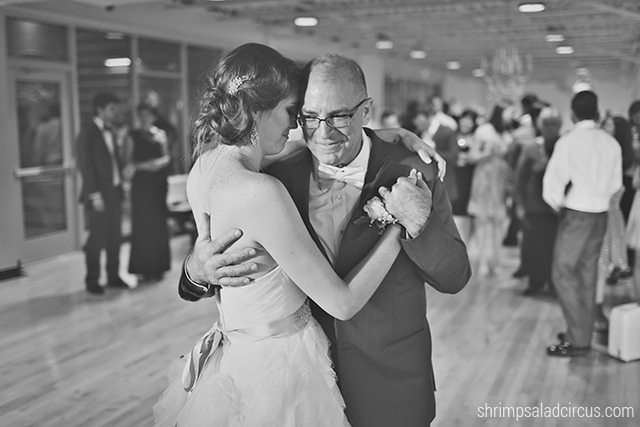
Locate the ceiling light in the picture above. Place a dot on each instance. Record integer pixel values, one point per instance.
(117, 62)
(554, 38)
(306, 21)
(453, 65)
(478, 72)
(114, 35)
(531, 7)
(418, 54)
(564, 50)
(383, 42)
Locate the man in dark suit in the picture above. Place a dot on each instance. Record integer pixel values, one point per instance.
(101, 168)
(382, 354)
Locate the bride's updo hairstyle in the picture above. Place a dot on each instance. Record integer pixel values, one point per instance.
(249, 79)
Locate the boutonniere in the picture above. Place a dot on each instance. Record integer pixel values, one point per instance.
(377, 215)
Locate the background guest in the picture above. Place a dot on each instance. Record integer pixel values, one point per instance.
(464, 173)
(538, 219)
(582, 175)
(489, 190)
(150, 255)
(101, 168)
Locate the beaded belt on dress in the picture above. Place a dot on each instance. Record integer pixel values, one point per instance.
(210, 345)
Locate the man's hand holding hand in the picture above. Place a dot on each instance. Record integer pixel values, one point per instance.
(410, 202)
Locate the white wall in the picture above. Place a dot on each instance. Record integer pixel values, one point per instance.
(10, 214)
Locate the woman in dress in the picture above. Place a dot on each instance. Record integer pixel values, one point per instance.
(489, 190)
(467, 125)
(265, 362)
(150, 255)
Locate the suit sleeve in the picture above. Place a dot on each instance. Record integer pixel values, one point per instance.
(439, 252)
(523, 173)
(88, 169)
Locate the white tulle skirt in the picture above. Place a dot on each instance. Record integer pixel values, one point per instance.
(284, 382)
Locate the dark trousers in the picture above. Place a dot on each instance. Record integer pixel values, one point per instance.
(105, 232)
(539, 234)
(574, 270)
(625, 206)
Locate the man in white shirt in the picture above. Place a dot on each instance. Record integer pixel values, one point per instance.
(583, 174)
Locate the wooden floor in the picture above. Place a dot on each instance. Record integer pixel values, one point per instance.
(70, 359)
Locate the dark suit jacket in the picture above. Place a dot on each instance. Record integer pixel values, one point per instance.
(383, 354)
(95, 164)
(446, 141)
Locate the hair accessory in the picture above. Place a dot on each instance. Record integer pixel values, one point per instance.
(235, 84)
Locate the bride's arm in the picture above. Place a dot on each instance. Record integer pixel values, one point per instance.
(271, 218)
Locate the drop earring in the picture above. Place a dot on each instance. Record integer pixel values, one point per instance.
(254, 138)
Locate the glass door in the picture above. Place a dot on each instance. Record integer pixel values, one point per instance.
(46, 171)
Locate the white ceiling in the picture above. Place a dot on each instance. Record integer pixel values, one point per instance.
(604, 33)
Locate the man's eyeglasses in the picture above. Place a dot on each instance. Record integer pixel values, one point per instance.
(335, 121)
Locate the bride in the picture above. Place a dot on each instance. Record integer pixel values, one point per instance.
(266, 361)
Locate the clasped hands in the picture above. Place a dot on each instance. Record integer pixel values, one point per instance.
(409, 201)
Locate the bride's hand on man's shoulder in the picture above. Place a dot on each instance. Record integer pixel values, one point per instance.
(413, 142)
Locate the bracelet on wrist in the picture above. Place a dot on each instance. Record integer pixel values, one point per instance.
(203, 286)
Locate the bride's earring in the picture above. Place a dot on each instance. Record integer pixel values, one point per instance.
(254, 138)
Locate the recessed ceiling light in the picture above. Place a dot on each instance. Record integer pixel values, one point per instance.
(554, 38)
(531, 7)
(478, 72)
(384, 44)
(418, 54)
(306, 21)
(117, 62)
(453, 65)
(564, 50)
(114, 35)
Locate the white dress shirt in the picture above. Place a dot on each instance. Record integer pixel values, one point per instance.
(331, 203)
(590, 160)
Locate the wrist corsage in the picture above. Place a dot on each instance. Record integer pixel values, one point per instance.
(378, 215)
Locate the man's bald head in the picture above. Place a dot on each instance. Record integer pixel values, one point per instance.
(336, 69)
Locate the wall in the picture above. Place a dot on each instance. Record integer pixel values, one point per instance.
(10, 235)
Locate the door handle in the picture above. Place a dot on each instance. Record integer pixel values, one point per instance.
(42, 170)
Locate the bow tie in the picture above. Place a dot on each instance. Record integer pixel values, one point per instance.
(353, 175)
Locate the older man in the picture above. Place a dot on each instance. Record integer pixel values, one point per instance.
(382, 354)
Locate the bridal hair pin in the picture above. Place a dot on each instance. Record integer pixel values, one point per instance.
(235, 84)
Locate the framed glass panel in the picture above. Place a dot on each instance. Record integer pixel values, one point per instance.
(38, 105)
(39, 125)
(43, 205)
(36, 40)
(158, 55)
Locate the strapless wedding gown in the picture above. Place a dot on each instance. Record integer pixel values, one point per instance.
(264, 363)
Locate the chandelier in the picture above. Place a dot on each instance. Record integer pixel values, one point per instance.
(507, 73)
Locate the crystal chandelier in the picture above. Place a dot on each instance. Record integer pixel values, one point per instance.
(507, 73)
